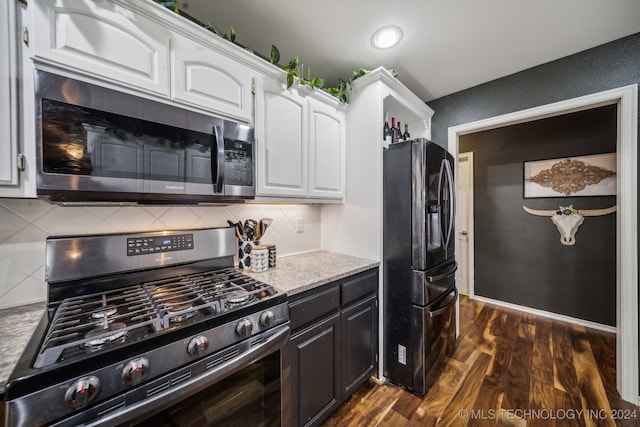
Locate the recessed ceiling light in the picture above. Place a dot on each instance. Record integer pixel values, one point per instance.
(386, 37)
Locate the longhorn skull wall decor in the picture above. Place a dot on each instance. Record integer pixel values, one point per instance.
(567, 219)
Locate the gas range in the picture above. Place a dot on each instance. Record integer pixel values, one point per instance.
(132, 317)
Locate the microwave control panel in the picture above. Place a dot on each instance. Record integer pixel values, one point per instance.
(238, 162)
(154, 244)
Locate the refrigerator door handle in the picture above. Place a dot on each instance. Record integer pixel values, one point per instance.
(450, 272)
(446, 177)
(446, 307)
(452, 195)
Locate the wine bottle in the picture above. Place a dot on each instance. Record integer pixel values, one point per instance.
(386, 130)
(394, 130)
(406, 136)
(399, 132)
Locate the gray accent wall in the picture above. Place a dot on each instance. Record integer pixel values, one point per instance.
(605, 67)
(518, 256)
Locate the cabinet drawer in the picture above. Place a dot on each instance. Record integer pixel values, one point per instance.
(313, 307)
(359, 286)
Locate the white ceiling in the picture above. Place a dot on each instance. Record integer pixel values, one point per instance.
(448, 45)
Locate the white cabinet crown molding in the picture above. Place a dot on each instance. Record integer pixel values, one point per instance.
(195, 32)
(396, 89)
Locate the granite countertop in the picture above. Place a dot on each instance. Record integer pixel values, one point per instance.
(292, 274)
(16, 327)
(299, 273)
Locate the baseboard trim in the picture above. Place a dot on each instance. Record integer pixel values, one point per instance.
(378, 380)
(547, 314)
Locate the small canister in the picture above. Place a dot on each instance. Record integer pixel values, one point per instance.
(259, 259)
(272, 255)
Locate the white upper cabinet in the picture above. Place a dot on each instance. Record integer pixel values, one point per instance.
(103, 40)
(282, 140)
(300, 142)
(207, 79)
(326, 151)
(8, 107)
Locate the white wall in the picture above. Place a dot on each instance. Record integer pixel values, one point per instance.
(26, 223)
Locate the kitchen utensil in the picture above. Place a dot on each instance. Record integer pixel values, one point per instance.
(264, 224)
(250, 229)
(238, 228)
(259, 230)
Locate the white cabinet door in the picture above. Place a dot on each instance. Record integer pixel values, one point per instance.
(9, 106)
(281, 138)
(326, 151)
(103, 40)
(208, 79)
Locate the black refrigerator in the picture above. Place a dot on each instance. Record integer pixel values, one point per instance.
(418, 262)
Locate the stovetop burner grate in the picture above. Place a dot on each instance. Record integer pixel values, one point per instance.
(92, 322)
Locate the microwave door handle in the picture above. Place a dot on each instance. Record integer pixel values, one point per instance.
(217, 161)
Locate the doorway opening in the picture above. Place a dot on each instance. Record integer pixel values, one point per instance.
(626, 229)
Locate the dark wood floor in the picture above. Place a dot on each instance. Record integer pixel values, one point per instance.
(509, 369)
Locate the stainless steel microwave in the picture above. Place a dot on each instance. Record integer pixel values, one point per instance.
(97, 145)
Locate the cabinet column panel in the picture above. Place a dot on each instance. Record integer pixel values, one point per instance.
(8, 93)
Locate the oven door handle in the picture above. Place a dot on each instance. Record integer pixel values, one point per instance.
(275, 341)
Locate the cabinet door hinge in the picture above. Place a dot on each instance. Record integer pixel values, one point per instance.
(253, 88)
(20, 162)
(376, 303)
(376, 357)
(25, 35)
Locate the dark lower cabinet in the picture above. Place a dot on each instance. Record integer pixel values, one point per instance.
(359, 327)
(315, 386)
(334, 345)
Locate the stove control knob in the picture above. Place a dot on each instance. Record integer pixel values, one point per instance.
(198, 346)
(135, 371)
(243, 328)
(82, 392)
(267, 319)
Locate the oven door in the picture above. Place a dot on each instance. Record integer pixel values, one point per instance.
(251, 388)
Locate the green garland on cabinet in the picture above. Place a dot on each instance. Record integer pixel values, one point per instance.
(292, 68)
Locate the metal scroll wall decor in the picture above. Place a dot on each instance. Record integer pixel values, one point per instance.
(593, 175)
(570, 176)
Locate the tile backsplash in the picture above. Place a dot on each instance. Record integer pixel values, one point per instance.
(26, 223)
